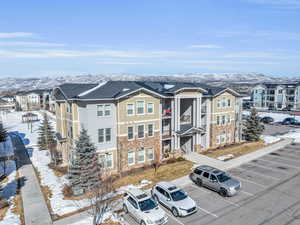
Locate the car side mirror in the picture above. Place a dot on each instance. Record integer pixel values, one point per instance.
(168, 199)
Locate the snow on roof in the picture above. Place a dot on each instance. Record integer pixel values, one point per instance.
(168, 86)
(92, 89)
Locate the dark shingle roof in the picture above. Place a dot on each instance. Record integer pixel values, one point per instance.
(117, 89)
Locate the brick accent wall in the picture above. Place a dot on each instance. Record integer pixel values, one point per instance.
(124, 146)
(217, 129)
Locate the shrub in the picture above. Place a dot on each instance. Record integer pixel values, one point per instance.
(67, 191)
(3, 203)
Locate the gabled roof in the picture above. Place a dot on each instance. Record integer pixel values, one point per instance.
(120, 89)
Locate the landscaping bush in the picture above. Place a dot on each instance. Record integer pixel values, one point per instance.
(61, 170)
(67, 191)
(3, 203)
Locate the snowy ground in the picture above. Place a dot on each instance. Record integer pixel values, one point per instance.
(9, 188)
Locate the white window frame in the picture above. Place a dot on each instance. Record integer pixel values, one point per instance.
(132, 133)
(150, 103)
(106, 134)
(138, 131)
(138, 158)
(133, 153)
(136, 106)
(105, 109)
(105, 160)
(219, 104)
(150, 149)
(152, 129)
(103, 135)
(128, 108)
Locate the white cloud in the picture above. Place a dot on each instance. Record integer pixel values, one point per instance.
(30, 44)
(16, 35)
(205, 46)
(122, 63)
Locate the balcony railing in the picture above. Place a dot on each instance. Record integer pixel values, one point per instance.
(167, 112)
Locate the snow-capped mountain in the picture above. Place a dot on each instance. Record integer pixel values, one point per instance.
(19, 84)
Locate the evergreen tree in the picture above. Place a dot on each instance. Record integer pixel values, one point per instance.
(84, 170)
(3, 133)
(253, 127)
(46, 134)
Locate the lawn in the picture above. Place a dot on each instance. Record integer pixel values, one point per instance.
(165, 172)
(237, 149)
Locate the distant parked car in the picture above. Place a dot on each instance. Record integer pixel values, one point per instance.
(174, 198)
(216, 180)
(267, 119)
(289, 121)
(143, 208)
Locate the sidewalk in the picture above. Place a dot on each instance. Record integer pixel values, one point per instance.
(34, 204)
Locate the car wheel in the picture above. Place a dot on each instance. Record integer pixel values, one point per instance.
(156, 198)
(143, 222)
(125, 208)
(223, 192)
(199, 182)
(175, 212)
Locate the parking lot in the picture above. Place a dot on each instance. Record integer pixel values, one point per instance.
(270, 194)
(277, 129)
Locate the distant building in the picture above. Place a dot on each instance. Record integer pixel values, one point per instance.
(276, 96)
(133, 123)
(34, 100)
(6, 105)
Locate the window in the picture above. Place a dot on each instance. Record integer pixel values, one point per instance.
(140, 105)
(219, 103)
(197, 171)
(206, 174)
(218, 120)
(104, 137)
(132, 202)
(280, 91)
(223, 137)
(130, 133)
(104, 110)
(106, 160)
(150, 130)
(150, 154)
(140, 131)
(141, 155)
(100, 109)
(107, 110)
(228, 102)
(100, 135)
(228, 118)
(223, 119)
(107, 134)
(130, 158)
(223, 102)
(213, 177)
(150, 108)
(130, 109)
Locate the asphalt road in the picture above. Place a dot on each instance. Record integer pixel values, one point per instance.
(277, 129)
(270, 194)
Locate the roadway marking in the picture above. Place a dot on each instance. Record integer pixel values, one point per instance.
(249, 181)
(284, 158)
(174, 218)
(207, 212)
(247, 193)
(266, 167)
(278, 163)
(260, 174)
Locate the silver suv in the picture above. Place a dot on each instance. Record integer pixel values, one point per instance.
(143, 208)
(216, 180)
(174, 198)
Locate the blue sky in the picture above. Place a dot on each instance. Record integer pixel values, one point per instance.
(45, 38)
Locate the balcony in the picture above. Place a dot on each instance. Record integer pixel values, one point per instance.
(166, 134)
(166, 113)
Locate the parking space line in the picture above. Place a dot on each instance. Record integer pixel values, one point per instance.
(249, 181)
(269, 168)
(260, 174)
(281, 156)
(288, 165)
(201, 189)
(174, 218)
(207, 212)
(247, 193)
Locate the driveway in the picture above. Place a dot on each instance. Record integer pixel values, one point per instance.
(270, 194)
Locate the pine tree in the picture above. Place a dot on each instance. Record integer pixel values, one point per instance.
(84, 170)
(3, 133)
(253, 127)
(46, 134)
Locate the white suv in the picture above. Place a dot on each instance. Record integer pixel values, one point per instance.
(143, 208)
(174, 198)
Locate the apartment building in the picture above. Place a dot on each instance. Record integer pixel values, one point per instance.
(34, 100)
(133, 123)
(276, 96)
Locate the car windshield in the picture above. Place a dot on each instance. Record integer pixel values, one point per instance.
(223, 177)
(147, 204)
(178, 195)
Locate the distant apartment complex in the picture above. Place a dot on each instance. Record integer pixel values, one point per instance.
(35, 100)
(133, 123)
(276, 96)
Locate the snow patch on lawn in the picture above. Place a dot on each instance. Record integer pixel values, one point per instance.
(292, 134)
(89, 220)
(269, 139)
(225, 157)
